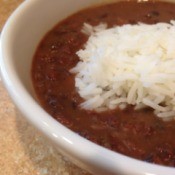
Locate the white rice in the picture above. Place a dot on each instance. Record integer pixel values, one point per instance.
(129, 64)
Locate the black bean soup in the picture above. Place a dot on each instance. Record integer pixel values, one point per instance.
(139, 134)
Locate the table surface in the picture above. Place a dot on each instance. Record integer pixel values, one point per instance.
(23, 151)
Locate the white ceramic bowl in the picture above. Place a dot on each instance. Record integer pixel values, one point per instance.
(19, 39)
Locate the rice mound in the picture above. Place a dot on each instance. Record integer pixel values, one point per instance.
(128, 65)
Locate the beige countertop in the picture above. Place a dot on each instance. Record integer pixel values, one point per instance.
(23, 151)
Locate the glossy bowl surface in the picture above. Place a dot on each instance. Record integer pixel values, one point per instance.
(20, 37)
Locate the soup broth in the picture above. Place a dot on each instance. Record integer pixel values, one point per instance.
(136, 133)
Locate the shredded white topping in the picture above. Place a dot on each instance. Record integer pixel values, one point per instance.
(129, 64)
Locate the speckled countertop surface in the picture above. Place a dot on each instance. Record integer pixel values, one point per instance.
(22, 150)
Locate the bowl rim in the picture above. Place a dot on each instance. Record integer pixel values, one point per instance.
(56, 132)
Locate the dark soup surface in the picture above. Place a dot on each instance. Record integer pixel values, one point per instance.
(136, 133)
